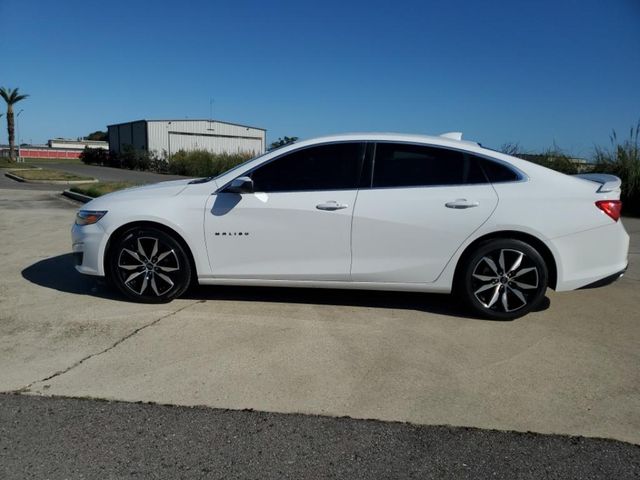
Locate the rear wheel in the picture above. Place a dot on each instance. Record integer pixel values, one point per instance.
(149, 265)
(503, 279)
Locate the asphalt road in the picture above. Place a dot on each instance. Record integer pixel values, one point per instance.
(8, 183)
(60, 438)
(108, 174)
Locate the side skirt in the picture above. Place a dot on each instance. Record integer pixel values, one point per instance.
(401, 287)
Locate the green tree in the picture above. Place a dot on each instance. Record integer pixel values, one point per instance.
(11, 96)
(281, 142)
(98, 135)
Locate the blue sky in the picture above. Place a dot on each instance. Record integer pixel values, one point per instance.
(534, 72)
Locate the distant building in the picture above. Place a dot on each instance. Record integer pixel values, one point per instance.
(76, 144)
(166, 137)
(55, 148)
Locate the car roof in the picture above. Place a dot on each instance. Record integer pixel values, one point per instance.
(443, 140)
(451, 140)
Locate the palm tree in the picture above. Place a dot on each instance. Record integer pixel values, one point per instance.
(11, 96)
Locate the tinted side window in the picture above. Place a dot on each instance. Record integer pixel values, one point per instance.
(497, 172)
(401, 165)
(325, 167)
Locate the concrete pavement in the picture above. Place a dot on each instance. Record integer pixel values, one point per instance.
(572, 368)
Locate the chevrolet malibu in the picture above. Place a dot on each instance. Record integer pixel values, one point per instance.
(364, 211)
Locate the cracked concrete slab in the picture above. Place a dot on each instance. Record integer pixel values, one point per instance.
(50, 316)
(27, 388)
(569, 369)
(384, 364)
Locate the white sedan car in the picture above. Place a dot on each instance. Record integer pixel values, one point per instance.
(364, 211)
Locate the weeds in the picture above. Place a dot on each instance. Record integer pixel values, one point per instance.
(201, 163)
(622, 159)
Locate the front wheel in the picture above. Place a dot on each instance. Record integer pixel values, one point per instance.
(503, 279)
(148, 265)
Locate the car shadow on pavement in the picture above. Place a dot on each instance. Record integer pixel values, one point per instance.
(58, 273)
(423, 302)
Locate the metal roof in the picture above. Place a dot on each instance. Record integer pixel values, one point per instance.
(187, 120)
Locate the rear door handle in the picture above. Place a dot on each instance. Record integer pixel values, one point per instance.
(461, 203)
(331, 205)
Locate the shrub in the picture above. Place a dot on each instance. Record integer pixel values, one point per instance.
(94, 156)
(201, 163)
(196, 163)
(623, 160)
(135, 159)
(158, 164)
(555, 159)
(552, 158)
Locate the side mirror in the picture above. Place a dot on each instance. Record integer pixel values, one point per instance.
(240, 185)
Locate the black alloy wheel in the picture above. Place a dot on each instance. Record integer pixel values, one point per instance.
(503, 279)
(149, 265)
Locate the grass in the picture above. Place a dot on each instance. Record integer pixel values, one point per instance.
(101, 188)
(52, 175)
(66, 161)
(5, 163)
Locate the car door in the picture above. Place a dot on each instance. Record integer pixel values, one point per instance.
(295, 224)
(423, 203)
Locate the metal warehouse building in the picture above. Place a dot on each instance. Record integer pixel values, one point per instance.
(166, 137)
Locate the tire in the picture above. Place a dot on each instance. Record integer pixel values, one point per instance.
(503, 279)
(149, 265)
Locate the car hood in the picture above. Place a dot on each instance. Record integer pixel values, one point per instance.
(155, 190)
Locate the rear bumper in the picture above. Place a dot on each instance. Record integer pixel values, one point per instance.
(606, 280)
(591, 256)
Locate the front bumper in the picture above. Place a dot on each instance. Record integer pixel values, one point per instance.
(88, 243)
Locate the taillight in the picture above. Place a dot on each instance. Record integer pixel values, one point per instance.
(610, 207)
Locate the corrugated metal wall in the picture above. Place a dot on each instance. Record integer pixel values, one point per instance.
(139, 135)
(168, 137)
(133, 133)
(114, 138)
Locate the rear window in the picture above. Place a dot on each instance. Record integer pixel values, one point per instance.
(497, 172)
(406, 165)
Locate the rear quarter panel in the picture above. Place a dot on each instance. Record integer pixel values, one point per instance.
(552, 207)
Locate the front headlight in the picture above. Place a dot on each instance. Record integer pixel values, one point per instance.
(89, 217)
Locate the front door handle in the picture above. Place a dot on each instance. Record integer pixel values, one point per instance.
(461, 203)
(331, 205)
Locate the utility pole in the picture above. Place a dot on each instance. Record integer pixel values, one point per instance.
(18, 131)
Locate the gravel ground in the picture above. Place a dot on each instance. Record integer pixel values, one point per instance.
(45, 437)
